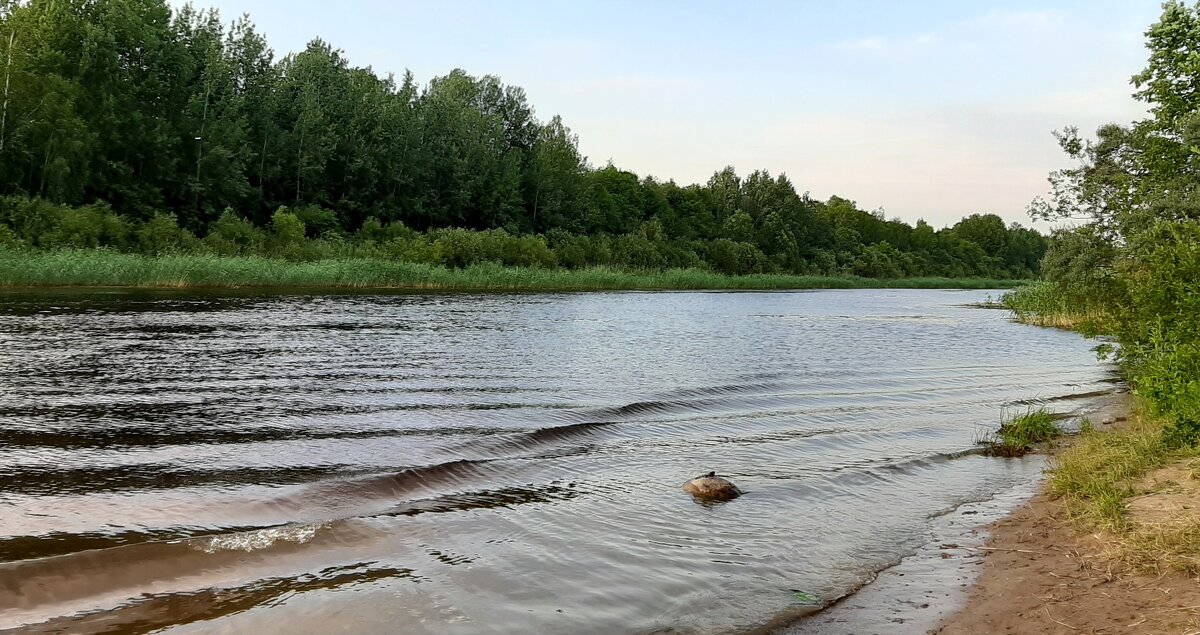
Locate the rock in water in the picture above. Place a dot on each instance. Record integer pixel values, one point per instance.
(712, 487)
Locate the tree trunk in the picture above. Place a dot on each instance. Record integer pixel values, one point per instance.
(12, 37)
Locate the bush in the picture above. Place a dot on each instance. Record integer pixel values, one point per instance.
(87, 227)
(232, 235)
(397, 229)
(31, 219)
(372, 231)
(415, 249)
(1160, 322)
(288, 229)
(162, 234)
(318, 221)
(9, 239)
(878, 261)
(577, 252)
(635, 251)
(734, 258)
(528, 251)
(462, 248)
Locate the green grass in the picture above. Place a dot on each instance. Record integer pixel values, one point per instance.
(1044, 304)
(1098, 475)
(1022, 433)
(100, 268)
(1101, 469)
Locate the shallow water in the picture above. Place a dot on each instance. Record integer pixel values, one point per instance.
(492, 463)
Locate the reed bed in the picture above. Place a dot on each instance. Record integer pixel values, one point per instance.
(102, 268)
(1045, 304)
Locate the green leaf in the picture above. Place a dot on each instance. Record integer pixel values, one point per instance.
(804, 597)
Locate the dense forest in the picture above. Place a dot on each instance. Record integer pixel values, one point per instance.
(130, 126)
(1130, 268)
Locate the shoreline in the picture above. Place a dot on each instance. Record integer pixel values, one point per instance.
(1013, 563)
(923, 589)
(33, 270)
(1040, 574)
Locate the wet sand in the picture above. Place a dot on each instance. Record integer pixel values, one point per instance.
(1012, 564)
(1042, 576)
(922, 590)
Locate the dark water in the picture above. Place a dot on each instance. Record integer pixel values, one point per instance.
(491, 463)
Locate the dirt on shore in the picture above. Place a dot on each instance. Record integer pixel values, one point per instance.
(1041, 575)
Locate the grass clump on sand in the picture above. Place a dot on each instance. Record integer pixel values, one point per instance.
(1100, 470)
(97, 267)
(1022, 433)
(1160, 546)
(1139, 491)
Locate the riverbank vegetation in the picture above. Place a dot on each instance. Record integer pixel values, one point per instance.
(1097, 473)
(1138, 490)
(1129, 270)
(94, 267)
(1022, 433)
(131, 127)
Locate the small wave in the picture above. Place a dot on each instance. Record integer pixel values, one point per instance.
(557, 433)
(257, 539)
(1033, 401)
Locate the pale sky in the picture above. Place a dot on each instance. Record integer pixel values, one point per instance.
(929, 109)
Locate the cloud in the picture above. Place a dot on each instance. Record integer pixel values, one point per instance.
(876, 45)
(866, 44)
(1019, 20)
(1111, 99)
(632, 84)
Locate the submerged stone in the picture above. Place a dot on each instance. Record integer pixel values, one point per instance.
(711, 487)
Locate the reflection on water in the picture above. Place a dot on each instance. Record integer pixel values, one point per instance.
(500, 463)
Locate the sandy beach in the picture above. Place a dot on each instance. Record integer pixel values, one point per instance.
(1041, 575)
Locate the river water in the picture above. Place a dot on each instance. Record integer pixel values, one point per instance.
(365, 463)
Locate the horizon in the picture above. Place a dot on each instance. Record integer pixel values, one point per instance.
(931, 112)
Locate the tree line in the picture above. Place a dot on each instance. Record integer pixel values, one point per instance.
(128, 125)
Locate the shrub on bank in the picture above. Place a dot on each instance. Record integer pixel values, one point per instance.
(162, 235)
(232, 235)
(312, 233)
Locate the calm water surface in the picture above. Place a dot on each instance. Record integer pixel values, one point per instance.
(491, 463)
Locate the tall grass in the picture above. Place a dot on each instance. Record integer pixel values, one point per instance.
(1100, 470)
(1098, 475)
(1019, 434)
(92, 267)
(1046, 304)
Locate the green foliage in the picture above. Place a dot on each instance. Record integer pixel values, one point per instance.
(462, 248)
(1021, 433)
(372, 230)
(161, 235)
(287, 227)
(317, 222)
(735, 258)
(1133, 266)
(232, 235)
(157, 111)
(88, 227)
(22, 267)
